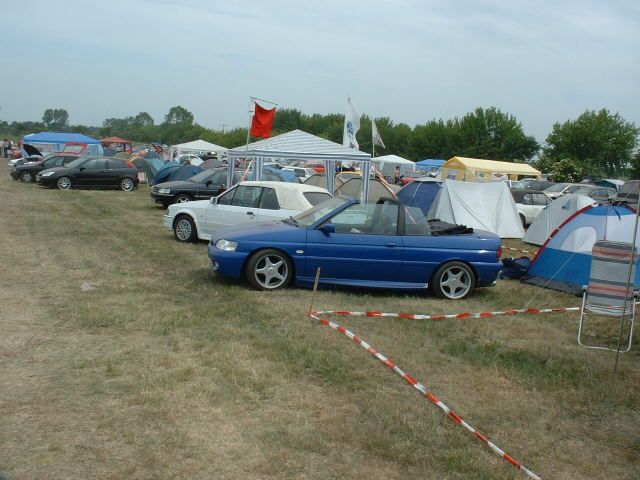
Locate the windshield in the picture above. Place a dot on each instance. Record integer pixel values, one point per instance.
(202, 176)
(558, 187)
(573, 188)
(77, 162)
(311, 216)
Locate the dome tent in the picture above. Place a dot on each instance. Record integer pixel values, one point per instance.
(554, 215)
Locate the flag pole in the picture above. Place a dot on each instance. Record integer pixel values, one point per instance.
(252, 101)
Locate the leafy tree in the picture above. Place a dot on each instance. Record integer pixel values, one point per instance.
(179, 116)
(56, 118)
(143, 119)
(567, 170)
(602, 143)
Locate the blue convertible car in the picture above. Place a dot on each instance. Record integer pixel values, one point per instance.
(381, 245)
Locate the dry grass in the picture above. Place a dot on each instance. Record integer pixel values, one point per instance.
(166, 371)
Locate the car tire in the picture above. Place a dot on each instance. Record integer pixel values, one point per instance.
(269, 269)
(183, 198)
(523, 220)
(184, 229)
(27, 177)
(453, 280)
(63, 183)
(127, 185)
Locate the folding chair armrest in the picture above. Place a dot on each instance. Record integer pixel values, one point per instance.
(585, 287)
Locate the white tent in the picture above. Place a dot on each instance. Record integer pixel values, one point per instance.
(482, 206)
(388, 163)
(554, 215)
(197, 146)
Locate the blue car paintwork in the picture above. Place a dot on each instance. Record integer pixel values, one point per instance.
(376, 261)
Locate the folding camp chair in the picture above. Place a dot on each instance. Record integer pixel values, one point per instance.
(608, 291)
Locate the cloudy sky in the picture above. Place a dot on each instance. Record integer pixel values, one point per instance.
(410, 60)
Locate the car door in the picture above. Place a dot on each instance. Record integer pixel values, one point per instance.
(235, 207)
(364, 248)
(91, 172)
(113, 173)
(213, 186)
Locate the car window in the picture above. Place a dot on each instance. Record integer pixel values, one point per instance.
(526, 200)
(368, 219)
(53, 162)
(539, 199)
(247, 196)
(269, 199)
(94, 164)
(227, 197)
(299, 172)
(415, 223)
(314, 198)
(113, 164)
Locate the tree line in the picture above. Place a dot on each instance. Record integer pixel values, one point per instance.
(597, 143)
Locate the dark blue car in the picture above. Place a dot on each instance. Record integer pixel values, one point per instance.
(381, 245)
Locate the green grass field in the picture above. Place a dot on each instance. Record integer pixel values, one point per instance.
(167, 371)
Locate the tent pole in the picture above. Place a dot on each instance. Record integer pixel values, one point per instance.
(251, 101)
(630, 282)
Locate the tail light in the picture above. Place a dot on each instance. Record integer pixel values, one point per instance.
(499, 252)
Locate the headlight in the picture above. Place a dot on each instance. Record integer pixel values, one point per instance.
(47, 174)
(164, 190)
(226, 245)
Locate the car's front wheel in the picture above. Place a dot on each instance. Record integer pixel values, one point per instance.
(64, 183)
(269, 270)
(183, 198)
(184, 229)
(453, 280)
(26, 177)
(127, 185)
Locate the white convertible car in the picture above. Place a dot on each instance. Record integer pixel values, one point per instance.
(246, 202)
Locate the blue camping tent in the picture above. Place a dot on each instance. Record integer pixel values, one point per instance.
(564, 261)
(185, 172)
(163, 173)
(420, 193)
(430, 164)
(283, 175)
(48, 142)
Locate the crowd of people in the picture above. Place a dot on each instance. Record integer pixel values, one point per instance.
(7, 146)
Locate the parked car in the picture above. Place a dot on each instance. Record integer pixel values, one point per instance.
(532, 184)
(558, 189)
(301, 172)
(597, 193)
(27, 172)
(189, 157)
(376, 245)
(410, 177)
(246, 202)
(90, 172)
(529, 204)
(201, 186)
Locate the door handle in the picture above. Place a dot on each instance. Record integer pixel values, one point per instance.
(250, 213)
(390, 244)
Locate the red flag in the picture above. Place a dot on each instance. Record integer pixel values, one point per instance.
(262, 121)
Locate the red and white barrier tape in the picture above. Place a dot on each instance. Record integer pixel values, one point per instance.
(461, 316)
(534, 252)
(422, 389)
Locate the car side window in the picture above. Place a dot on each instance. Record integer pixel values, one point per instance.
(369, 219)
(526, 199)
(539, 199)
(113, 164)
(227, 197)
(269, 199)
(247, 196)
(53, 162)
(91, 164)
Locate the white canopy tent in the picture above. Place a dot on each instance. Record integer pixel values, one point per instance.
(387, 164)
(197, 146)
(482, 206)
(298, 145)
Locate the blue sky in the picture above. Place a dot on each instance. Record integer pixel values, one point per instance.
(409, 60)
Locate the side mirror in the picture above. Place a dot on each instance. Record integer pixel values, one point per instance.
(214, 200)
(328, 228)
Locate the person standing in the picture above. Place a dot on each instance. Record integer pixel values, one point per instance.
(5, 148)
(396, 176)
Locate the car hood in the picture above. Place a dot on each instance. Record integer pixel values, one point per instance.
(263, 231)
(32, 163)
(31, 150)
(179, 184)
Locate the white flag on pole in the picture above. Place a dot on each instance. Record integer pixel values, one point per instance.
(351, 126)
(375, 134)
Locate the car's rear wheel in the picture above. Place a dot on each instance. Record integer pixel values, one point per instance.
(64, 183)
(126, 185)
(26, 177)
(269, 270)
(183, 198)
(184, 229)
(453, 280)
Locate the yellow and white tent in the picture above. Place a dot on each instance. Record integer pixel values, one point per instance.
(477, 170)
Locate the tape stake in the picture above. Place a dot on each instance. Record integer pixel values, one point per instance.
(426, 393)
